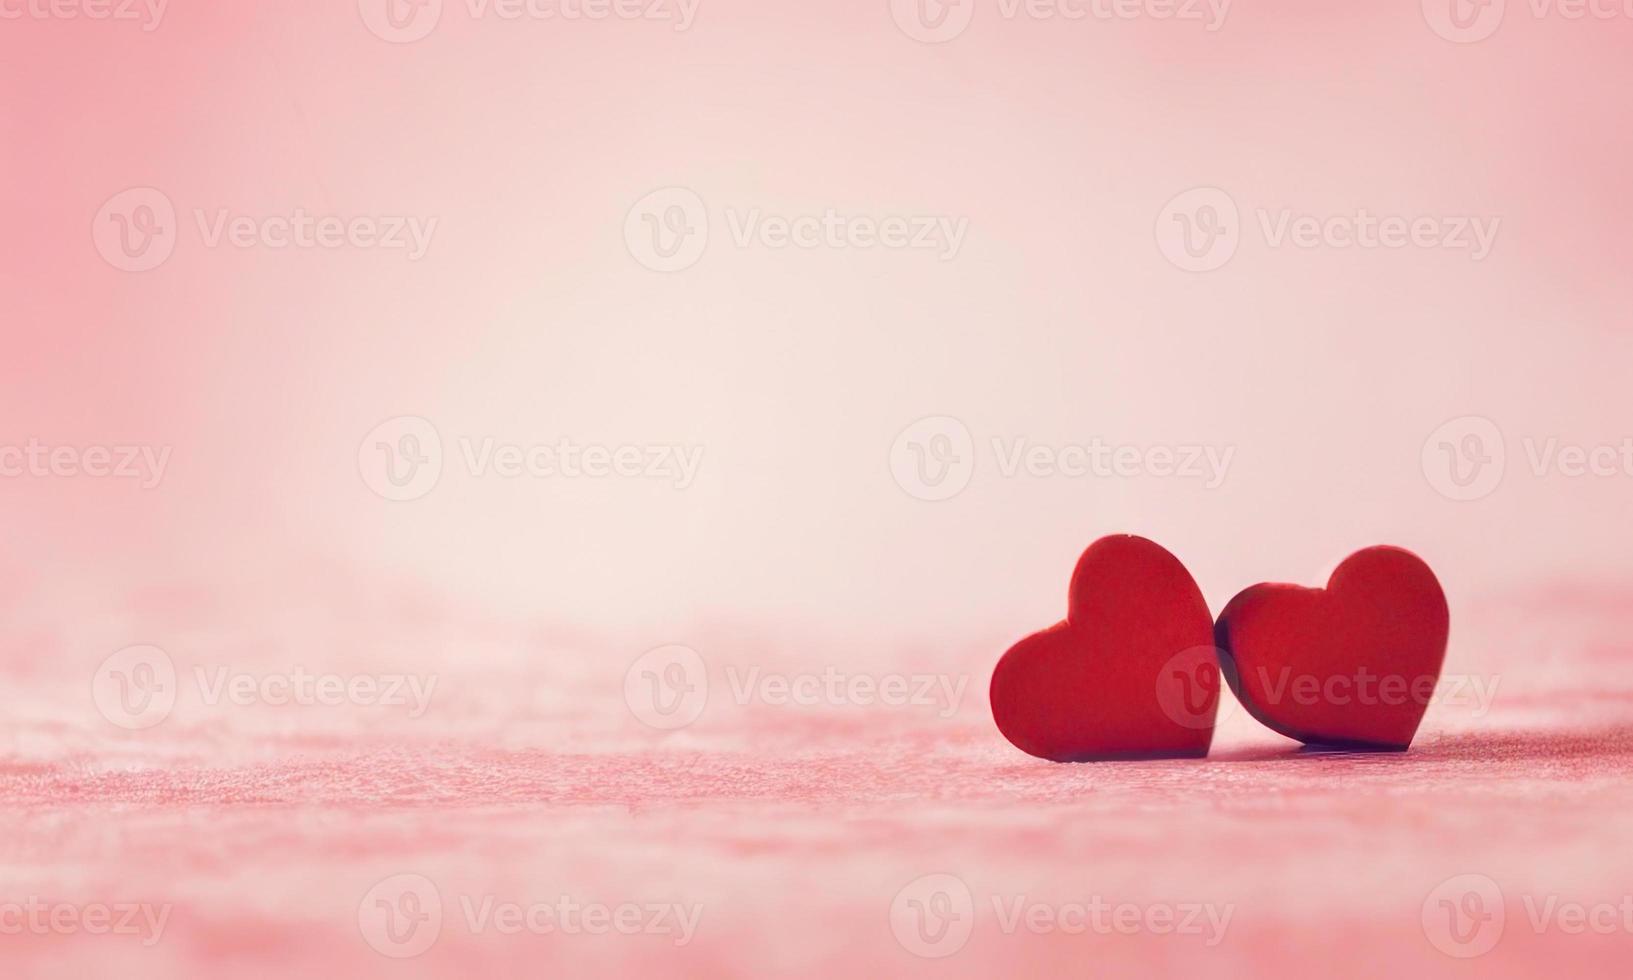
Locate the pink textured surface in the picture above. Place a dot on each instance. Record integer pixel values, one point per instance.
(795, 831)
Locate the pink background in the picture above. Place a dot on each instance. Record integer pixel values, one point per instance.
(1060, 320)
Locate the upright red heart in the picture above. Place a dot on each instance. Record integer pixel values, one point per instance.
(1352, 665)
(1130, 673)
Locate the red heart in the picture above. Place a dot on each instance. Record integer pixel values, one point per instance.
(1353, 665)
(1130, 673)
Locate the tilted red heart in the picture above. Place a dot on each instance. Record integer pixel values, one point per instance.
(1130, 673)
(1352, 665)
